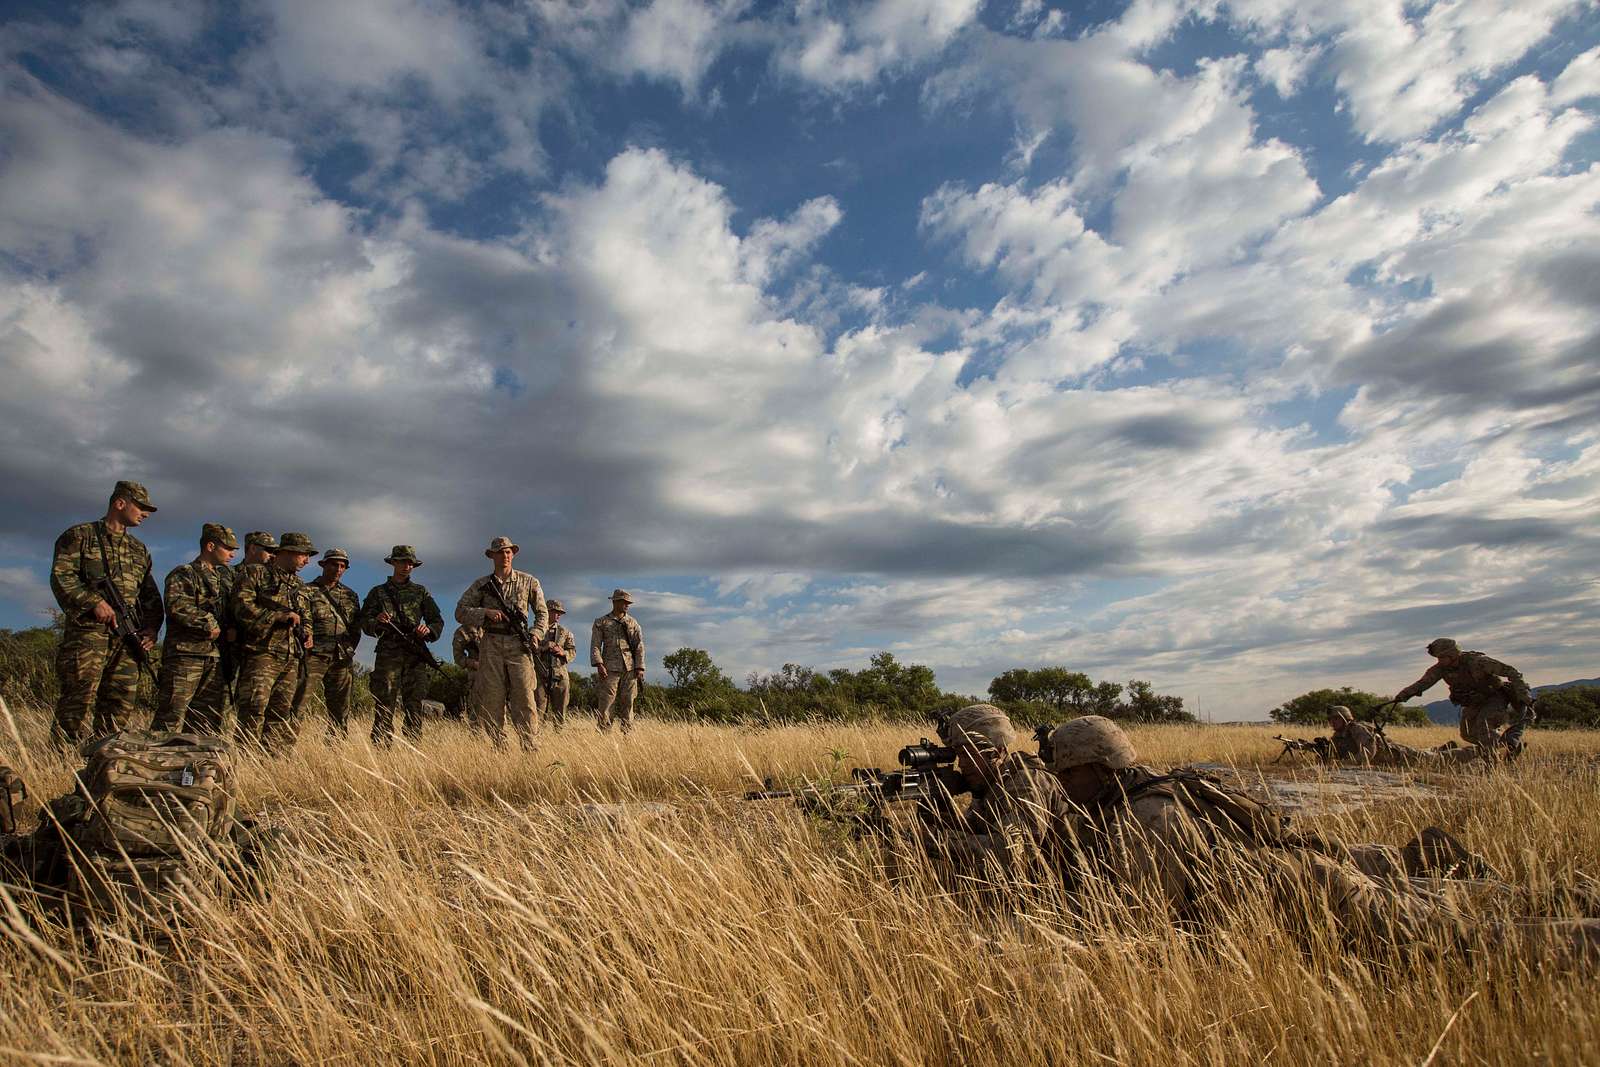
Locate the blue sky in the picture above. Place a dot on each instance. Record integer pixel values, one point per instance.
(1221, 345)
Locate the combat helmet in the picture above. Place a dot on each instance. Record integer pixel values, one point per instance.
(1090, 739)
(980, 725)
(1440, 645)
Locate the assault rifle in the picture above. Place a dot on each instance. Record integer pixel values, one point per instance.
(516, 617)
(1321, 747)
(927, 779)
(126, 628)
(411, 642)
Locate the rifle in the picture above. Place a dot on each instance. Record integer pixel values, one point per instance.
(342, 649)
(1382, 716)
(928, 779)
(411, 642)
(125, 628)
(516, 617)
(1041, 736)
(1321, 747)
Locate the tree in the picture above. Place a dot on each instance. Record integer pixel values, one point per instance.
(1146, 705)
(1578, 706)
(693, 672)
(1311, 709)
(1070, 693)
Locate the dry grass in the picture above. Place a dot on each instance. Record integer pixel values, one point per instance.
(448, 906)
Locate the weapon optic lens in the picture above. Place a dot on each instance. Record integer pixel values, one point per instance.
(926, 754)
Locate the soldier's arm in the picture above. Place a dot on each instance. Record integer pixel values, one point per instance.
(74, 598)
(248, 606)
(1421, 685)
(151, 615)
(370, 611)
(569, 647)
(431, 616)
(636, 639)
(597, 640)
(1519, 686)
(538, 614)
(183, 603)
(352, 613)
(470, 609)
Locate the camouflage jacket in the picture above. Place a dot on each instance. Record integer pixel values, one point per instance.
(464, 647)
(1020, 818)
(409, 602)
(197, 603)
(522, 593)
(89, 552)
(1356, 741)
(560, 637)
(335, 619)
(260, 595)
(616, 643)
(1473, 679)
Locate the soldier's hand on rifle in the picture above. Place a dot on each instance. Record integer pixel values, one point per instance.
(494, 615)
(104, 614)
(422, 629)
(600, 670)
(290, 617)
(638, 672)
(385, 618)
(147, 639)
(307, 641)
(215, 632)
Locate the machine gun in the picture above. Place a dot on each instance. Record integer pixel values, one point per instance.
(1321, 747)
(927, 779)
(126, 628)
(1383, 715)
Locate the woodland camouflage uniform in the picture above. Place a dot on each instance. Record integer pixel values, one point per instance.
(193, 695)
(96, 674)
(399, 677)
(270, 690)
(335, 631)
(505, 680)
(618, 645)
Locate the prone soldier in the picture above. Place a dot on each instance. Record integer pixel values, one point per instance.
(616, 652)
(401, 614)
(557, 648)
(97, 567)
(193, 693)
(273, 610)
(1357, 742)
(335, 632)
(509, 607)
(1485, 690)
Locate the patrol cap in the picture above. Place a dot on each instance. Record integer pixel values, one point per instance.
(622, 595)
(1442, 644)
(980, 725)
(1090, 739)
(134, 493)
(215, 531)
(498, 543)
(555, 606)
(336, 555)
(1340, 712)
(296, 542)
(261, 539)
(403, 554)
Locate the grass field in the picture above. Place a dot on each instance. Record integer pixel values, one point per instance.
(455, 905)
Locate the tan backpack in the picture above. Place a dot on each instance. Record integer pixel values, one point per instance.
(151, 794)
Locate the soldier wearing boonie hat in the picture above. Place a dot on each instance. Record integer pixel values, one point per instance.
(557, 648)
(192, 691)
(273, 610)
(335, 633)
(616, 652)
(399, 677)
(506, 604)
(95, 563)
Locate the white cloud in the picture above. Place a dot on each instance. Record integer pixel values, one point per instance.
(1285, 68)
(855, 45)
(1580, 81)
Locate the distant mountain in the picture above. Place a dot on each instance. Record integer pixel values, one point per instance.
(1447, 714)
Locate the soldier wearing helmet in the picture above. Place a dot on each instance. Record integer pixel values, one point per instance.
(1486, 690)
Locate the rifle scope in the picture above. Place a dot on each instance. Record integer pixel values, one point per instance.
(925, 754)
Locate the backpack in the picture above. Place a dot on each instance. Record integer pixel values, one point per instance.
(1207, 798)
(151, 794)
(12, 794)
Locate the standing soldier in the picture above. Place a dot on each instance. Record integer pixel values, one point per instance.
(509, 606)
(197, 594)
(97, 564)
(401, 615)
(259, 547)
(1485, 690)
(273, 610)
(557, 649)
(335, 633)
(464, 652)
(616, 651)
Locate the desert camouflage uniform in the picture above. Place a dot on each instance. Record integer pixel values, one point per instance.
(464, 646)
(505, 679)
(192, 690)
(618, 644)
(554, 681)
(95, 673)
(1476, 688)
(1012, 824)
(331, 665)
(399, 677)
(269, 690)
(1356, 742)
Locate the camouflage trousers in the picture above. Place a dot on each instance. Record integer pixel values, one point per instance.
(1481, 722)
(505, 682)
(96, 676)
(399, 681)
(617, 690)
(555, 690)
(192, 694)
(269, 695)
(331, 680)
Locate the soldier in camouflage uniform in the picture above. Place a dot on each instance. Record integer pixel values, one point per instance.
(616, 652)
(259, 548)
(464, 653)
(335, 632)
(273, 610)
(505, 678)
(557, 649)
(197, 593)
(96, 672)
(1357, 742)
(1485, 690)
(399, 675)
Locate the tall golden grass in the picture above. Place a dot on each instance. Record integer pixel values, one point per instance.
(456, 905)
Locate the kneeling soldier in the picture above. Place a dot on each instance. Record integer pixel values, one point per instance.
(505, 603)
(192, 687)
